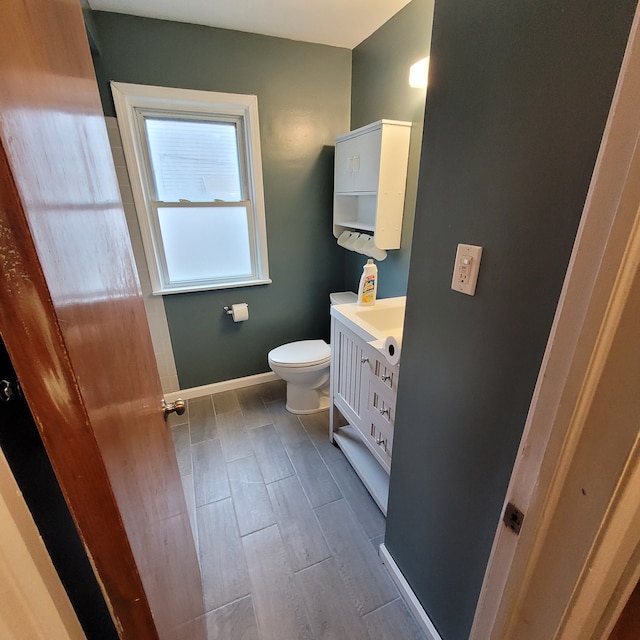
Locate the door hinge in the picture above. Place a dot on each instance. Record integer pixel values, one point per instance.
(513, 517)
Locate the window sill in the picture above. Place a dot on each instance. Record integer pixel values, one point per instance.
(211, 287)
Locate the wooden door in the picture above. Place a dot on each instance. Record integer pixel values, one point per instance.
(74, 325)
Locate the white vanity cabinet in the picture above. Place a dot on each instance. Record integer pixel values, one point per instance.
(369, 181)
(363, 392)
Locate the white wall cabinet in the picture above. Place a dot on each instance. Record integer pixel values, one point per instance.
(363, 393)
(369, 181)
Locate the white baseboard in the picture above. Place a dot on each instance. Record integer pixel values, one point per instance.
(219, 387)
(410, 599)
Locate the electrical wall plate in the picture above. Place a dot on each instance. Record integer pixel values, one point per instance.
(465, 269)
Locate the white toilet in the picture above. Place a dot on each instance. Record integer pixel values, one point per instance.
(304, 366)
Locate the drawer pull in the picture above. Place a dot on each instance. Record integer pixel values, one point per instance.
(386, 378)
(384, 411)
(382, 442)
(364, 360)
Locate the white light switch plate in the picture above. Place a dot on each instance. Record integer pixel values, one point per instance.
(465, 269)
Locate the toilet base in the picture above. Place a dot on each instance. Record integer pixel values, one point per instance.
(302, 400)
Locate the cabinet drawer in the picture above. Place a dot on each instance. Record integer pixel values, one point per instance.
(381, 371)
(382, 407)
(380, 440)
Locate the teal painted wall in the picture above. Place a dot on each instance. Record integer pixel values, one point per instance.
(518, 99)
(380, 89)
(304, 102)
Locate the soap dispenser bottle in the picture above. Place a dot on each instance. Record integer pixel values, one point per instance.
(368, 284)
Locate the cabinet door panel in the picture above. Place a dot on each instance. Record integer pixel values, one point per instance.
(343, 173)
(367, 164)
(348, 377)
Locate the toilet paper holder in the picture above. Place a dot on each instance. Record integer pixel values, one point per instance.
(239, 312)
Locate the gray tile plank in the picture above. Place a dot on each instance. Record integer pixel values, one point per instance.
(369, 515)
(391, 622)
(377, 541)
(278, 603)
(222, 561)
(190, 497)
(182, 444)
(317, 423)
(273, 391)
(333, 615)
(270, 454)
(287, 424)
(313, 474)
(209, 472)
(252, 407)
(317, 426)
(234, 435)
(298, 525)
(365, 579)
(173, 419)
(250, 497)
(202, 419)
(190, 629)
(225, 402)
(234, 621)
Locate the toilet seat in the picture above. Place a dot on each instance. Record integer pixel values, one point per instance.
(304, 353)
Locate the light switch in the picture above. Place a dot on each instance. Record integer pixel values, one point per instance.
(465, 270)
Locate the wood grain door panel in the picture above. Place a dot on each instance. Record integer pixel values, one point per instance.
(74, 324)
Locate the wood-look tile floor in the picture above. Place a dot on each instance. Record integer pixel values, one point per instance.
(286, 532)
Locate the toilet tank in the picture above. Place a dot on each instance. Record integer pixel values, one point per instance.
(343, 297)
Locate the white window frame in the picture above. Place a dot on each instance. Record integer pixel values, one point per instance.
(133, 100)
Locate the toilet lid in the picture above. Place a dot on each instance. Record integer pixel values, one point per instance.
(299, 354)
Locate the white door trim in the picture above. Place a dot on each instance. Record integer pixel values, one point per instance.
(33, 602)
(553, 429)
(613, 568)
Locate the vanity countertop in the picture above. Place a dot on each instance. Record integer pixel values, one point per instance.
(376, 322)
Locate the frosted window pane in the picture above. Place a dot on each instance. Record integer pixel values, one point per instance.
(201, 243)
(194, 160)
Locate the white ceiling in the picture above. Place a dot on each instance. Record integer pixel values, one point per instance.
(340, 23)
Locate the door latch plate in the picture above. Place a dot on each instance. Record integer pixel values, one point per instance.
(513, 518)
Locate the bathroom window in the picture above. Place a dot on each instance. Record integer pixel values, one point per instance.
(196, 173)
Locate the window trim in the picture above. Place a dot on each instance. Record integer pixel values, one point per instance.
(132, 99)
